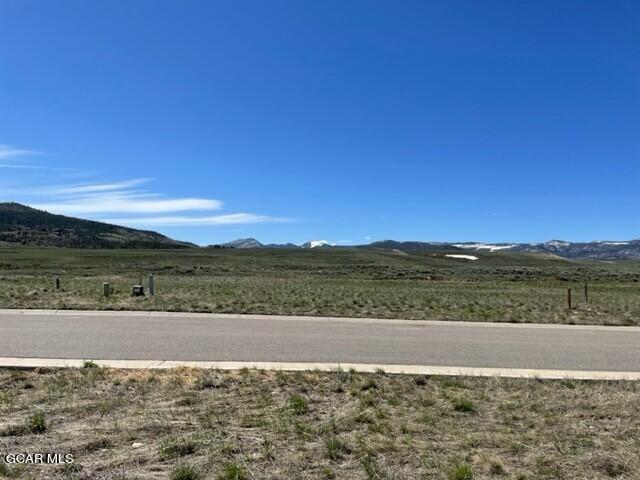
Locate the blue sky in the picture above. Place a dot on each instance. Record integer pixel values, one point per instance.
(348, 121)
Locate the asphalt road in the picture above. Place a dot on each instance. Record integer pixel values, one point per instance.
(193, 337)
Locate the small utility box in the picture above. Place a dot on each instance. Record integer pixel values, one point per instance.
(137, 291)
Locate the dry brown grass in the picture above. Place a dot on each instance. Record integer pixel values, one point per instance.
(255, 425)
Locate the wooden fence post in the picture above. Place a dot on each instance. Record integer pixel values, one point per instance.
(569, 298)
(586, 292)
(152, 285)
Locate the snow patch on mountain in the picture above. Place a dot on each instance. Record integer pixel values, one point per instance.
(557, 243)
(463, 257)
(317, 244)
(483, 246)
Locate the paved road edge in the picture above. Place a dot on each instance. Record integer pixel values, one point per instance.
(29, 363)
(306, 318)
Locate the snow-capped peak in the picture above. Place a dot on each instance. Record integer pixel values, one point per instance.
(316, 244)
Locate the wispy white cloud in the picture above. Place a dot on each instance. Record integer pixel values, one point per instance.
(95, 200)
(113, 197)
(17, 165)
(168, 221)
(127, 203)
(9, 151)
(10, 158)
(94, 188)
(131, 200)
(22, 166)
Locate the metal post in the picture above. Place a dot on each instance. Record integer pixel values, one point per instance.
(57, 283)
(106, 289)
(586, 293)
(152, 285)
(569, 298)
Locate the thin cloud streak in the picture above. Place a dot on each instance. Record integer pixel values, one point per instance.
(114, 197)
(127, 204)
(94, 188)
(17, 165)
(166, 221)
(34, 167)
(8, 151)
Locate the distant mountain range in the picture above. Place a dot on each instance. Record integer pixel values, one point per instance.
(243, 243)
(253, 243)
(24, 225)
(599, 250)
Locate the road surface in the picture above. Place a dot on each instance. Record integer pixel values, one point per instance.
(254, 338)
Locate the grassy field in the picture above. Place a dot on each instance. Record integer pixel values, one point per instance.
(341, 282)
(194, 424)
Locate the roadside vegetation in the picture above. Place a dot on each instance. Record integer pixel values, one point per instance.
(189, 424)
(360, 283)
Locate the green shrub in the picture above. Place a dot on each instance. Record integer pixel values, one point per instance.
(464, 405)
(89, 364)
(185, 472)
(496, 468)
(172, 447)
(298, 404)
(461, 471)
(372, 468)
(369, 384)
(420, 380)
(232, 471)
(37, 423)
(328, 473)
(336, 447)
(367, 401)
